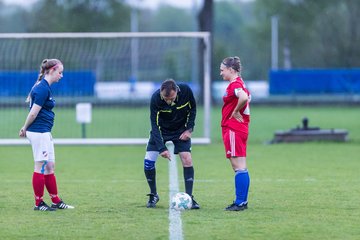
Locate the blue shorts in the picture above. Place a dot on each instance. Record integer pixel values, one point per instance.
(179, 145)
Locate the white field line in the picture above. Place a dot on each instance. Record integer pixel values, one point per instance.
(175, 224)
(116, 181)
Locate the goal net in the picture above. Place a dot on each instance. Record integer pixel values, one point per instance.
(108, 80)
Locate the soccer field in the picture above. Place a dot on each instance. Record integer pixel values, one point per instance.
(297, 191)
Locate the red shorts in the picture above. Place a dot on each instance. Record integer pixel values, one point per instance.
(234, 143)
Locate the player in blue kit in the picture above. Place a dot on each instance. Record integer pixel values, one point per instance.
(172, 117)
(37, 129)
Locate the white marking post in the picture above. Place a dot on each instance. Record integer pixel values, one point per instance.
(83, 116)
(175, 224)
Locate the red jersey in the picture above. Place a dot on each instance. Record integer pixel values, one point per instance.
(230, 101)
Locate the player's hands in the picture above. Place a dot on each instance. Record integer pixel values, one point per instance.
(22, 132)
(166, 154)
(186, 135)
(237, 116)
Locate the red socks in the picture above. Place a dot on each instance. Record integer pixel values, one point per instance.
(38, 182)
(50, 183)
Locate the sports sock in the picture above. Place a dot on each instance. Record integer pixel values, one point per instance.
(51, 186)
(38, 182)
(151, 179)
(242, 182)
(189, 179)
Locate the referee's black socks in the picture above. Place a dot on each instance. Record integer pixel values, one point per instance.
(151, 179)
(189, 179)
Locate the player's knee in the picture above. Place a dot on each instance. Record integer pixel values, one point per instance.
(149, 164)
(150, 160)
(40, 166)
(50, 167)
(37, 168)
(187, 162)
(151, 155)
(186, 159)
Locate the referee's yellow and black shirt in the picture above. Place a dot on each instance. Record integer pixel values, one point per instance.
(172, 119)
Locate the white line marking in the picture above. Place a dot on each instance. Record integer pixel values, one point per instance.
(258, 180)
(175, 225)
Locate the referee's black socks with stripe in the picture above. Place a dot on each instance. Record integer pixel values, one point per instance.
(151, 179)
(189, 179)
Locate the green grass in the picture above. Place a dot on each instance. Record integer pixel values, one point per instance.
(298, 191)
(107, 122)
(112, 122)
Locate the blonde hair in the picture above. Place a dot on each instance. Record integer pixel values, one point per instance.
(45, 67)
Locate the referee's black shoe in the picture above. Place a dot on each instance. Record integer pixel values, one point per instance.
(194, 205)
(153, 199)
(236, 207)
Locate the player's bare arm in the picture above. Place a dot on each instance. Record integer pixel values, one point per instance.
(30, 119)
(242, 101)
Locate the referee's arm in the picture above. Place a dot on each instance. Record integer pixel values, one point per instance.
(155, 128)
(192, 112)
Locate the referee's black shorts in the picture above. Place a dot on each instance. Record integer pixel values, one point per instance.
(179, 145)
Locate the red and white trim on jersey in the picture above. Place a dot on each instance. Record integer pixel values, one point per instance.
(232, 143)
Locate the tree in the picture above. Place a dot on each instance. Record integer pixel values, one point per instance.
(12, 18)
(320, 34)
(205, 19)
(167, 18)
(230, 34)
(79, 16)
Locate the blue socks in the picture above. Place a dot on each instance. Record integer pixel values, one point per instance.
(242, 183)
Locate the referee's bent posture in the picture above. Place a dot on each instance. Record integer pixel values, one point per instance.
(172, 116)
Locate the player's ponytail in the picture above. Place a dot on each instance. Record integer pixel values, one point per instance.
(45, 67)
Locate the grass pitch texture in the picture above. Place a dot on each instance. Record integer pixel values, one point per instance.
(297, 191)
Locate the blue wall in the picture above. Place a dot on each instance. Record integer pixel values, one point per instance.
(79, 83)
(315, 81)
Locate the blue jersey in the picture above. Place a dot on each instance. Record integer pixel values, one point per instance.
(42, 96)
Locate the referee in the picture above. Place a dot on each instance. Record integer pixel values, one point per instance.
(172, 116)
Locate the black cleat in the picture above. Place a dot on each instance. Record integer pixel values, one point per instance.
(153, 199)
(62, 205)
(236, 207)
(43, 207)
(194, 205)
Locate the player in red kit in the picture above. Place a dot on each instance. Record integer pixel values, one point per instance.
(235, 128)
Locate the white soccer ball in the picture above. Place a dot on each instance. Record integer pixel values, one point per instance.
(181, 201)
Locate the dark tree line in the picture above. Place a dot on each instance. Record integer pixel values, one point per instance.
(315, 34)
